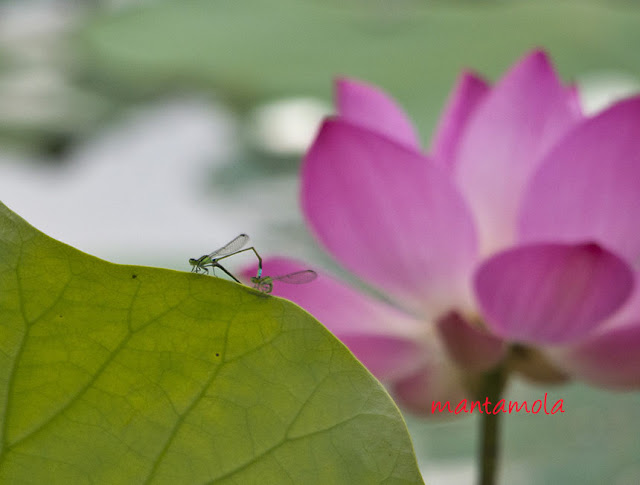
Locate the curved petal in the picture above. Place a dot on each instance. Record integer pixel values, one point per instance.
(588, 187)
(388, 342)
(367, 106)
(434, 389)
(629, 312)
(468, 346)
(610, 359)
(470, 89)
(518, 121)
(551, 293)
(389, 215)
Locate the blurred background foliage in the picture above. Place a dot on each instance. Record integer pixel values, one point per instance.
(151, 131)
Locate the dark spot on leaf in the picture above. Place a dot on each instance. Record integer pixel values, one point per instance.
(217, 355)
(134, 276)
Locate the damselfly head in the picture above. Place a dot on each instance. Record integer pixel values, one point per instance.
(196, 265)
(263, 284)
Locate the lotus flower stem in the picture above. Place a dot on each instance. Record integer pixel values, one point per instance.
(492, 387)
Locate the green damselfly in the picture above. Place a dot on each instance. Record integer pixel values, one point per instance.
(211, 260)
(265, 283)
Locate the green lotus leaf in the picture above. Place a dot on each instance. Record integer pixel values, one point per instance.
(128, 374)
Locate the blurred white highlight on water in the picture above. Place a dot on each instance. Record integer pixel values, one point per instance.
(600, 89)
(32, 31)
(287, 127)
(142, 191)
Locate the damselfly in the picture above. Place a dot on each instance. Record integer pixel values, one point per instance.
(265, 283)
(211, 260)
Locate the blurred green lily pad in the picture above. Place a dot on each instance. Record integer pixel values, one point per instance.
(127, 374)
(253, 50)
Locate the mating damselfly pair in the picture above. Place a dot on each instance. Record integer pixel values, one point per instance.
(262, 283)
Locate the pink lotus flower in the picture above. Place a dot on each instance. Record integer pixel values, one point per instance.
(515, 240)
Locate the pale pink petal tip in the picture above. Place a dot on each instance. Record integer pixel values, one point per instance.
(368, 106)
(551, 293)
(469, 91)
(471, 348)
(386, 341)
(610, 360)
(573, 99)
